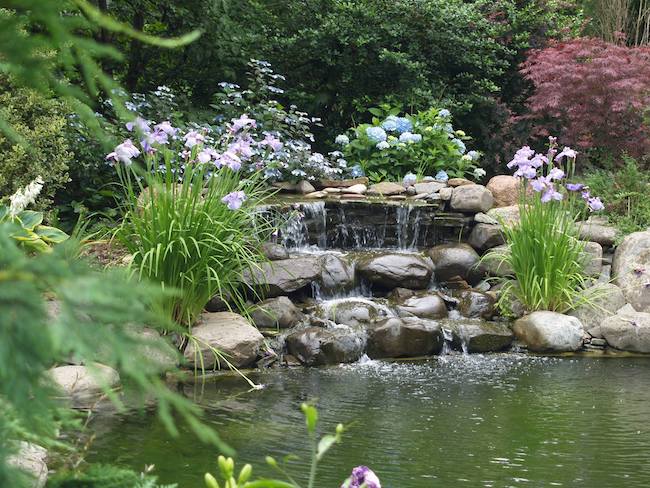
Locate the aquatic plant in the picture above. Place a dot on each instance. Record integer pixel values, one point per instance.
(188, 216)
(544, 251)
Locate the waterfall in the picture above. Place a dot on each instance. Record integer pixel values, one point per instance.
(295, 232)
(407, 229)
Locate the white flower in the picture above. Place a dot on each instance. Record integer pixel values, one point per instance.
(25, 196)
(342, 140)
(382, 145)
(479, 173)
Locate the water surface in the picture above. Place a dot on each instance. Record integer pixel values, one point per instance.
(477, 421)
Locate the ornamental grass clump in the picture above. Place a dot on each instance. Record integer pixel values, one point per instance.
(189, 216)
(544, 252)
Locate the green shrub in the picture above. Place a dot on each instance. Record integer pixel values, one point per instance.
(103, 476)
(41, 122)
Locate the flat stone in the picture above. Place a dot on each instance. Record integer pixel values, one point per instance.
(505, 190)
(397, 197)
(598, 342)
(479, 336)
(362, 180)
(359, 189)
(274, 252)
(429, 187)
(482, 218)
(605, 235)
(305, 187)
(505, 215)
(593, 255)
(455, 182)
(386, 188)
(404, 337)
(332, 189)
(230, 334)
(283, 277)
(316, 194)
(601, 301)
(277, 312)
(352, 196)
(471, 198)
(631, 269)
(284, 186)
(549, 331)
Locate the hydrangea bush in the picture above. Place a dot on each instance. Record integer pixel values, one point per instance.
(393, 146)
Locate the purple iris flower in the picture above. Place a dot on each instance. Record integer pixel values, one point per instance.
(555, 174)
(231, 160)
(361, 475)
(192, 138)
(234, 199)
(568, 152)
(140, 124)
(241, 123)
(242, 148)
(124, 153)
(575, 186)
(595, 204)
(166, 127)
(272, 142)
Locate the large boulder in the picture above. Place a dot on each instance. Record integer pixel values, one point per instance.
(404, 337)
(549, 331)
(475, 304)
(276, 312)
(631, 269)
(601, 301)
(229, 334)
(386, 188)
(597, 230)
(471, 198)
(458, 259)
(494, 262)
(480, 336)
(354, 311)
(426, 306)
(31, 459)
(485, 236)
(505, 190)
(627, 331)
(390, 271)
(336, 273)
(283, 277)
(84, 386)
(315, 346)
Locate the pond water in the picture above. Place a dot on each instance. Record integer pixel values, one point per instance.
(504, 420)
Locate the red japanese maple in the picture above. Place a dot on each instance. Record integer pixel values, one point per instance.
(591, 93)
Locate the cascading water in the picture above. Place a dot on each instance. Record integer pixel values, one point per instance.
(294, 231)
(407, 229)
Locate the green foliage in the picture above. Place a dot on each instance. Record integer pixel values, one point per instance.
(93, 309)
(30, 232)
(40, 122)
(625, 193)
(103, 476)
(183, 235)
(424, 143)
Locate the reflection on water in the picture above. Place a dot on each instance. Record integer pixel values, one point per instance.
(476, 421)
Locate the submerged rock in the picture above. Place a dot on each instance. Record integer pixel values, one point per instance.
(458, 259)
(276, 312)
(631, 269)
(549, 331)
(283, 277)
(84, 385)
(390, 271)
(404, 337)
(315, 346)
(230, 334)
(471, 198)
(628, 331)
(480, 336)
(430, 306)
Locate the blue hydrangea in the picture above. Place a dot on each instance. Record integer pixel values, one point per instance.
(460, 145)
(410, 137)
(474, 155)
(357, 171)
(376, 134)
(404, 125)
(409, 180)
(442, 176)
(448, 128)
(382, 145)
(390, 124)
(444, 113)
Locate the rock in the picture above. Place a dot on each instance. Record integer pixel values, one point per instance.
(84, 385)
(505, 190)
(354, 311)
(627, 332)
(505, 215)
(602, 301)
(217, 304)
(482, 218)
(471, 198)
(549, 331)
(276, 312)
(283, 277)
(451, 260)
(386, 188)
(315, 346)
(429, 307)
(359, 189)
(410, 191)
(631, 269)
(284, 186)
(476, 304)
(274, 252)
(397, 197)
(485, 236)
(446, 193)
(493, 262)
(477, 336)
(336, 273)
(363, 180)
(593, 255)
(404, 337)
(390, 271)
(401, 294)
(305, 187)
(429, 187)
(30, 459)
(228, 333)
(160, 352)
(352, 196)
(455, 182)
(333, 190)
(605, 235)
(316, 194)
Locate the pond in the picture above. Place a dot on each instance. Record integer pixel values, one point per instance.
(502, 420)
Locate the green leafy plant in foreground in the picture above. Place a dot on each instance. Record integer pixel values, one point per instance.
(544, 251)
